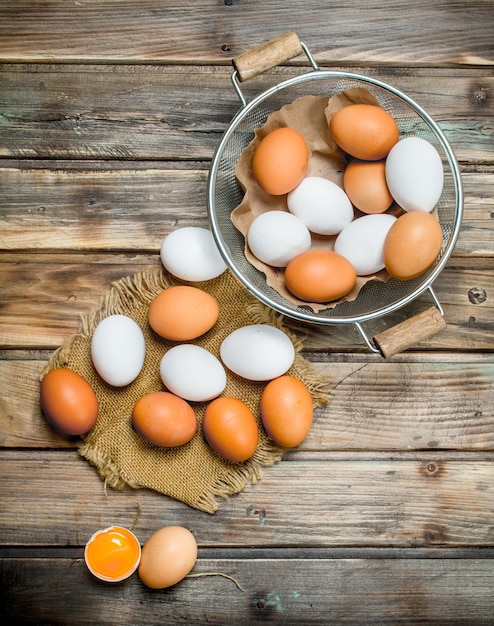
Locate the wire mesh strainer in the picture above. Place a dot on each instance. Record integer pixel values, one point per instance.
(376, 298)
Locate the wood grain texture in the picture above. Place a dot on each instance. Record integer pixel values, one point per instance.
(110, 115)
(376, 406)
(134, 209)
(169, 31)
(365, 503)
(343, 591)
(43, 308)
(129, 112)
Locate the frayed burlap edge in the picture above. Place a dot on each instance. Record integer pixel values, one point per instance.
(122, 295)
(142, 288)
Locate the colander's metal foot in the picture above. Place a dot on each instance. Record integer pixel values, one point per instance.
(369, 343)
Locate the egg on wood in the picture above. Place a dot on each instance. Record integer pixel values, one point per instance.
(112, 554)
(190, 253)
(68, 401)
(287, 411)
(167, 557)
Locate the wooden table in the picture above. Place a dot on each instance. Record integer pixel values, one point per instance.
(110, 114)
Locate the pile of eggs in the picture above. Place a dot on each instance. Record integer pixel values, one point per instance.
(167, 418)
(385, 176)
(190, 373)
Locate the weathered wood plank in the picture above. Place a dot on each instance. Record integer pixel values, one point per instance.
(376, 406)
(210, 31)
(304, 591)
(134, 209)
(153, 112)
(110, 114)
(56, 498)
(40, 309)
(127, 210)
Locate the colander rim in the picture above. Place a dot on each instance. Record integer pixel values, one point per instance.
(312, 317)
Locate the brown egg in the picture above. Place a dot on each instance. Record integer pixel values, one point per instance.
(412, 244)
(364, 131)
(183, 313)
(280, 161)
(68, 402)
(230, 428)
(320, 276)
(365, 184)
(164, 419)
(287, 411)
(167, 557)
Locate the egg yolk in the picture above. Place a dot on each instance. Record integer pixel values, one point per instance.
(113, 554)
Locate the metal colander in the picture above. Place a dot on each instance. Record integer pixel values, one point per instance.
(376, 298)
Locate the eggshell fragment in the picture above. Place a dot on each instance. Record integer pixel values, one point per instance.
(415, 174)
(164, 419)
(280, 161)
(412, 244)
(190, 253)
(118, 349)
(183, 313)
(167, 557)
(287, 411)
(193, 373)
(230, 428)
(257, 352)
(112, 554)
(68, 402)
(321, 204)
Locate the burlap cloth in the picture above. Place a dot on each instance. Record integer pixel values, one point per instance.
(192, 473)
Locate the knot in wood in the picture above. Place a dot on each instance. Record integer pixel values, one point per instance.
(477, 295)
(259, 512)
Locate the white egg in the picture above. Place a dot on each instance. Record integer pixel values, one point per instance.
(362, 242)
(276, 237)
(193, 373)
(415, 174)
(118, 349)
(190, 253)
(321, 205)
(258, 352)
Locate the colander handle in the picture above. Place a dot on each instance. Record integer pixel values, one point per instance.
(409, 332)
(267, 56)
(405, 334)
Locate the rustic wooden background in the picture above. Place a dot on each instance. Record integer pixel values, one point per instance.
(110, 113)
